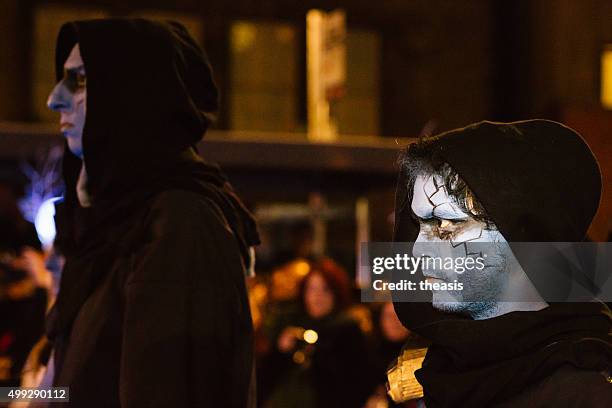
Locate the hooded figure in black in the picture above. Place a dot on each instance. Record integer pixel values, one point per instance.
(530, 181)
(152, 309)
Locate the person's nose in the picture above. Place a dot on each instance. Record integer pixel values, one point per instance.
(60, 99)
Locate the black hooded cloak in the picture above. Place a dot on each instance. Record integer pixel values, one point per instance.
(539, 182)
(152, 309)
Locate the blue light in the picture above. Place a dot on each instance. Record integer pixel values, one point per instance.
(45, 223)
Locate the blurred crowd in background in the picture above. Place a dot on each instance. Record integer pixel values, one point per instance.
(317, 346)
(27, 286)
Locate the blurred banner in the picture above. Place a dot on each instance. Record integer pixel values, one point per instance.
(326, 59)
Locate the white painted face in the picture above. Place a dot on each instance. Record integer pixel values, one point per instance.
(69, 97)
(446, 230)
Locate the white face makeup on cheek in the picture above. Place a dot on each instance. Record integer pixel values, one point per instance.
(447, 230)
(69, 97)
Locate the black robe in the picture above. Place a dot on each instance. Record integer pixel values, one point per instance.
(152, 309)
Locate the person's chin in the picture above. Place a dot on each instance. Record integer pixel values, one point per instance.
(445, 302)
(477, 310)
(72, 133)
(77, 150)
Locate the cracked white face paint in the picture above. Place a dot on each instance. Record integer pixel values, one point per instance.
(447, 230)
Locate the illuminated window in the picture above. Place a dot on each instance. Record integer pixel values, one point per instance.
(606, 77)
(264, 75)
(264, 70)
(358, 111)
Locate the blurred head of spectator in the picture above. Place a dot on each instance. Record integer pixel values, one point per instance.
(325, 290)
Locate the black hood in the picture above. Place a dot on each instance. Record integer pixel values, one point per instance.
(537, 179)
(539, 182)
(150, 95)
(150, 99)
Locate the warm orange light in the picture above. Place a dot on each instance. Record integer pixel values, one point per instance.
(606, 77)
(311, 336)
(299, 357)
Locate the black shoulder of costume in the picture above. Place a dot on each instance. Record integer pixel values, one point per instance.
(566, 387)
(189, 217)
(183, 209)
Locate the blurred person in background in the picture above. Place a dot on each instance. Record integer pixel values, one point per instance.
(152, 308)
(25, 286)
(319, 356)
(273, 296)
(391, 334)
